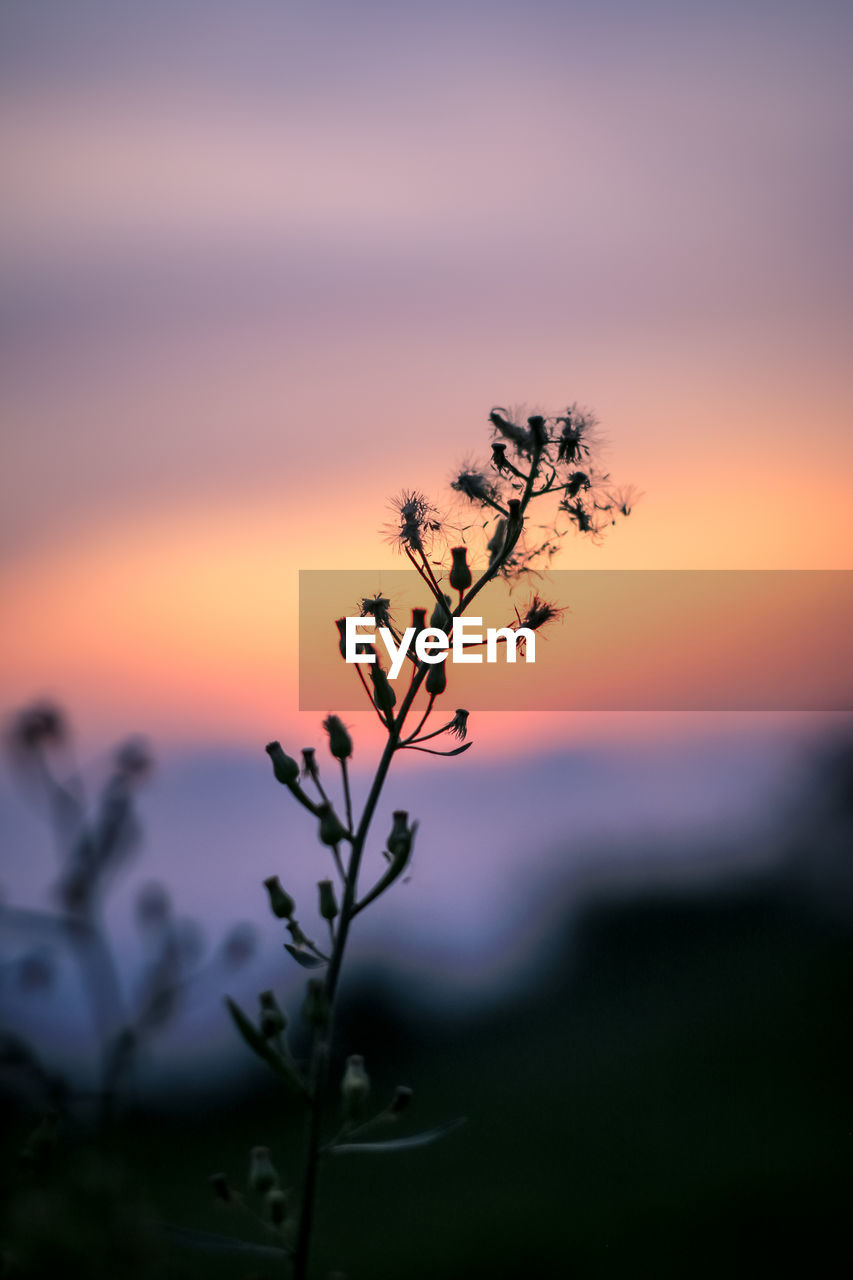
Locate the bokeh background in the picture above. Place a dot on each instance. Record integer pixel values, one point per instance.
(264, 265)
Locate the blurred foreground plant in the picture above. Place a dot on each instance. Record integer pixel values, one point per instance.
(95, 841)
(547, 461)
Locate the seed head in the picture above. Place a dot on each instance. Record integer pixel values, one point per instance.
(416, 523)
(539, 612)
(459, 724)
(474, 485)
(378, 607)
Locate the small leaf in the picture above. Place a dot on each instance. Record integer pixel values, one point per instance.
(457, 751)
(398, 1144)
(208, 1242)
(256, 1042)
(303, 957)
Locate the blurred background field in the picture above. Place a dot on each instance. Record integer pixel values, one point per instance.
(649, 1038)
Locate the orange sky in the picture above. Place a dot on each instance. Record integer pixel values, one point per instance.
(244, 303)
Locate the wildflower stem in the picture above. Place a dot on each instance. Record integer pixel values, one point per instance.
(363, 680)
(428, 579)
(423, 719)
(319, 1069)
(347, 796)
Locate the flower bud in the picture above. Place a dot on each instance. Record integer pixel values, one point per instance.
(328, 902)
(340, 742)
(436, 681)
(440, 616)
(273, 1021)
(281, 903)
(332, 830)
(383, 695)
(495, 544)
(460, 574)
(499, 454)
(276, 1203)
(400, 840)
(355, 1086)
(262, 1172)
(295, 930)
(401, 1101)
(341, 624)
(315, 1010)
(418, 621)
(284, 766)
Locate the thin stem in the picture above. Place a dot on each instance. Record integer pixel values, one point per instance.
(423, 719)
(319, 1069)
(436, 591)
(347, 796)
(320, 1057)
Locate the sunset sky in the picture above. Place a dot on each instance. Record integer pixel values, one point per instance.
(263, 265)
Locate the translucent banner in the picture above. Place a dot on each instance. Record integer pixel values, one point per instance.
(632, 640)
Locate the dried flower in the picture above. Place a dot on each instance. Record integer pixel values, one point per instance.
(510, 430)
(577, 437)
(378, 607)
(499, 458)
(417, 522)
(539, 612)
(459, 724)
(474, 485)
(621, 501)
(340, 742)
